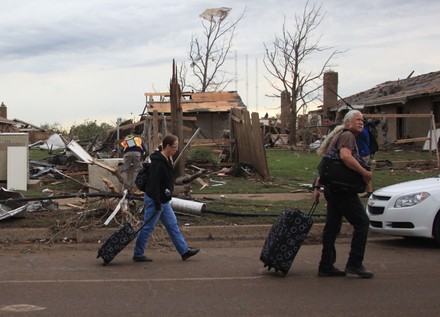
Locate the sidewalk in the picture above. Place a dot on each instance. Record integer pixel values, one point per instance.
(221, 236)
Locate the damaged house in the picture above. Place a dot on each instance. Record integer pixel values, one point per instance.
(412, 100)
(209, 111)
(18, 126)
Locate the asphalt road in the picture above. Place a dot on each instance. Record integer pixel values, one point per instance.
(68, 280)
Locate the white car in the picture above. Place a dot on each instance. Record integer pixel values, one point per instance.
(409, 209)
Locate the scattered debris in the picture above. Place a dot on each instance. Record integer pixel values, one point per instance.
(54, 142)
(8, 206)
(121, 203)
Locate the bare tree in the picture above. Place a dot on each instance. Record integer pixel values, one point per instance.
(208, 56)
(285, 62)
(183, 75)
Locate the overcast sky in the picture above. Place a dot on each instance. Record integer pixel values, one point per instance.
(75, 60)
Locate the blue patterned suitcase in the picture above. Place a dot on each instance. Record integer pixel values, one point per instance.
(118, 241)
(285, 239)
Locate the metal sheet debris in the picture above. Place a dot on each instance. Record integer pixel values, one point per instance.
(10, 208)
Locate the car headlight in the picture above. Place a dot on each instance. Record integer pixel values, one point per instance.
(411, 200)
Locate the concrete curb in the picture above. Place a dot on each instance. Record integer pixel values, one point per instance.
(195, 235)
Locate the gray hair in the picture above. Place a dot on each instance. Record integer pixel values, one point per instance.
(326, 142)
(349, 115)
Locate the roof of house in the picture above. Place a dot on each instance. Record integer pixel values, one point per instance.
(398, 91)
(221, 101)
(6, 121)
(22, 125)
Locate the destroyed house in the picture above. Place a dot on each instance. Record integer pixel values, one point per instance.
(15, 125)
(35, 133)
(411, 96)
(206, 110)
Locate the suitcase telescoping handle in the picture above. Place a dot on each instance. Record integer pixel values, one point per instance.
(146, 222)
(312, 209)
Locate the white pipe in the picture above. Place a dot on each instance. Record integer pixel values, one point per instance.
(187, 206)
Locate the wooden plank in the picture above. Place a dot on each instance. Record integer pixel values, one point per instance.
(411, 140)
(238, 130)
(154, 94)
(225, 142)
(168, 118)
(260, 157)
(393, 115)
(248, 140)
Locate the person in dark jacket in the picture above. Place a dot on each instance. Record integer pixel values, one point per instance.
(329, 122)
(157, 200)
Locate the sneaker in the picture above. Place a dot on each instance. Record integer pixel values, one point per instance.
(142, 258)
(333, 271)
(189, 254)
(361, 271)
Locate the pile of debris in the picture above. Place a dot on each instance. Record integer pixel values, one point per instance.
(76, 204)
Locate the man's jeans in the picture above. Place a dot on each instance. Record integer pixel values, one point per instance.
(343, 204)
(169, 220)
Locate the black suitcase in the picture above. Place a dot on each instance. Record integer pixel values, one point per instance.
(285, 238)
(118, 241)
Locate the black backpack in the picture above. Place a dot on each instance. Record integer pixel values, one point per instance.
(141, 180)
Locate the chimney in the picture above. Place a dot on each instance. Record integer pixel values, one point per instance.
(3, 111)
(330, 98)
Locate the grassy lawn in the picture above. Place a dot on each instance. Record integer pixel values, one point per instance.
(292, 171)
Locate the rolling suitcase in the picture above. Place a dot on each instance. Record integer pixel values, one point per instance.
(118, 241)
(285, 238)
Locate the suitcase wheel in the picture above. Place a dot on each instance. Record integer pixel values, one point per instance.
(282, 272)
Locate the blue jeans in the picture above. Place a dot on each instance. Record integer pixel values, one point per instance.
(169, 220)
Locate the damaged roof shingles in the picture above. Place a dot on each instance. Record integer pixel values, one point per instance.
(399, 91)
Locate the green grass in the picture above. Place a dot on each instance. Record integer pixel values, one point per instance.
(292, 171)
(41, 155)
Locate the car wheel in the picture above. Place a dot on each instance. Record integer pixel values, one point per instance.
(436, 228)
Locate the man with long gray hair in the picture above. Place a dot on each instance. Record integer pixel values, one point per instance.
(342, 203)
